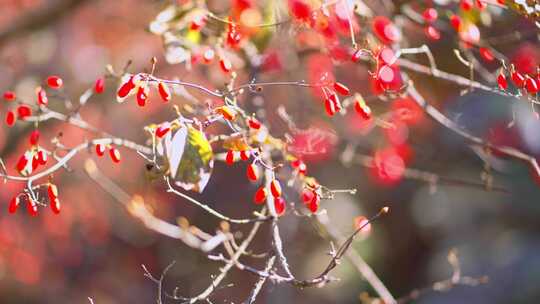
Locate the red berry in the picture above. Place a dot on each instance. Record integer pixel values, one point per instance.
(99, 86)
(142, 96)
(125, 88)
(198, 22)
(162, 130)
(357, 55)
(314, 203)
(55, 82)
(480, 4)
(9, 95)
(300, 10)
(34, 137)
(208, 56)
(385, 30)
(275, 188)
(486, 54)
(341, 89)
(260, 195)
(362, 108)
(299, 165)
(42, 97)
(531, 85)
(455, 21)
(115, 155)
(245, 154)
(164, 92)
(55, 205)
(330, 107)
(307, 195)
(252, 172)
(229, 158)
(42, 157)
(14, 204)
(52, 191)
(254, 123)
(432, 33)
(466, 5)
(24, 111)
(100, 150)
(32, 207)
(430, 14)
(279, 205)
(518, 79)
(225, 65)
(10, 118)
(23, 162)
(501, 80)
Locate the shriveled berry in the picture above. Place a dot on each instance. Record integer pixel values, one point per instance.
(275, 188)
(260, 195)
(100, 149)
(99, 86)
(229, 158)
(14, 204)
(42, 97)
(341, 89)
(280, 205)
(115, 155)
(252, 172)
(164, 92)
(34, 137)
(9, 95)
(24, 111)
(10, 118)
(55, 82)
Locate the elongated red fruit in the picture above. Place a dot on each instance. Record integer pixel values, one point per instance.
(55, 206)
(142, 96)
(260, 196)
(42, 97)
(162, 130)
(32, 207)
(100, 149)
(229, 158)
(245, 154)
(253, 172)
(34, 137)
(314, 203)
(279, 205)
(275, 188)
(55, 82)
(341, 89)
(115, 155)
(10, 118)
(14, 204)
(99, 86)
(125, 88)
(164, 92)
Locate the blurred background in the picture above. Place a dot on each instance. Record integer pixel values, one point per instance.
(94, 248)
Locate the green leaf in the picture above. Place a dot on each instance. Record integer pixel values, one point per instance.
(190, 158)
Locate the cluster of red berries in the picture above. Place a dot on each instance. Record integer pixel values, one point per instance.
(114, 153)
(275, 190)
(311, 198)
(32, 158)
(32, 205)
(529, 83)
(207, 57)
(142, 90)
